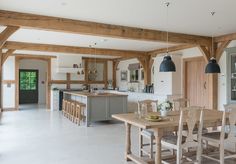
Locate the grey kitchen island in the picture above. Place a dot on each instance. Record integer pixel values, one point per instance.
(99, 106)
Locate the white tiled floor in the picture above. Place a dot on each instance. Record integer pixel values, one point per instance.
(43, 137)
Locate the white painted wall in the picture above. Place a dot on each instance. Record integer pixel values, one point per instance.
(41, 66)
(167, 83)
(8, 91)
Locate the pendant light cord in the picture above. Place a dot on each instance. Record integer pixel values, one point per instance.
(95, 55)
(212, 40)
(167, 25)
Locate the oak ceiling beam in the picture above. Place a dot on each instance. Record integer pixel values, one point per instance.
(206, 52)
(98, 29)
(227, 37)
(71, 49)
(6, 55)
(21, 55)
(98, 59)
(154, 53)
(7, 32)
(220, 49)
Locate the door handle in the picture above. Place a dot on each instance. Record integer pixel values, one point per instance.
(204, 85)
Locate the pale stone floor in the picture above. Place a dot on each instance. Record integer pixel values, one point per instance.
(37, 136)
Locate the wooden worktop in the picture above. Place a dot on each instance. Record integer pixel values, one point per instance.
(88, 94)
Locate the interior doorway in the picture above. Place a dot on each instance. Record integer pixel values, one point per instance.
(28, 86)
(196, 82)
(33, 75)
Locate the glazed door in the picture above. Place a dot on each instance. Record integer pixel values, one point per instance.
(28, 86)
(196, 82)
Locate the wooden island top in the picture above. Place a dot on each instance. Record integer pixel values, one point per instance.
(95, 94)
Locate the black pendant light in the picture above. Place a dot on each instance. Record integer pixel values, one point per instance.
(212, 66)
(167, 65)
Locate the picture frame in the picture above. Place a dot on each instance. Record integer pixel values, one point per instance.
(123, 75)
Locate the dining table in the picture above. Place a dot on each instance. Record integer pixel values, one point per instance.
(171, 121)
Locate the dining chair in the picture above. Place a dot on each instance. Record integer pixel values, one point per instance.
(151, 106)
(178, 142)
(223, 137)
(180, 103)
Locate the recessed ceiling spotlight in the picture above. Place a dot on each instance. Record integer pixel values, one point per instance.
(103, 40)
(63, 3)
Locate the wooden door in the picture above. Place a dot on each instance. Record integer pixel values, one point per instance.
(28, 85)
(196, 82)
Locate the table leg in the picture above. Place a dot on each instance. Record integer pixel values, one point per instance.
(127, 141)
(158, 133)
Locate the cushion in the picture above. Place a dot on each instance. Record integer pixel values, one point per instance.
(214, 135)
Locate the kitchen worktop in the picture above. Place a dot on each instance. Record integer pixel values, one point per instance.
(94, 94)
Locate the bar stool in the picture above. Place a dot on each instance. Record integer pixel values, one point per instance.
(68, 107)
(72, 111)
(64, 105)
(79, 113)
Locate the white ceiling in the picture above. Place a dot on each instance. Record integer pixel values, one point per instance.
(185, 16)
(59, 38)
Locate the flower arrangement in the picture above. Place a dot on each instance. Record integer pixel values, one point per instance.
(166, 105)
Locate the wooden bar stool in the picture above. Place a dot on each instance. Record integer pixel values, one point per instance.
(68, 106)
(79, 113)
(72, 111)
(64, 107)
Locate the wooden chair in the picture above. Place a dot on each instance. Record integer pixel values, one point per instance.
(221, 138)
(179, 142)
(149, 134)
(180, 103)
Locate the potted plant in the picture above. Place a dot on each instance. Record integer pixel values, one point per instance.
(165, 107)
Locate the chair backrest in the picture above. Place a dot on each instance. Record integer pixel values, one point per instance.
(229, 107)
(230, 113)
(180, 103)
(151, 105)
(193, 117)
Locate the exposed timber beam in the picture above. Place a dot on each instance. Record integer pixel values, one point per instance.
(220, 49)
(71, 49)
(7, 32)
(98, 59)
(6, 55)
(97, 29)
(227, 37)
(206, 52)
(33, 56)
(154, 53)
(123, 58)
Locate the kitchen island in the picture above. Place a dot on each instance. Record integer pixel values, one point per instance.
(99, 106)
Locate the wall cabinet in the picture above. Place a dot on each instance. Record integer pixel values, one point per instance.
(231, 75)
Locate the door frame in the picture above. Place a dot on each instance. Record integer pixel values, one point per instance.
(184, 79)
(48, 80)
(37, 84)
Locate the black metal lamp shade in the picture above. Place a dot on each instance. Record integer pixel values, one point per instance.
(167, 65)
(212, 66)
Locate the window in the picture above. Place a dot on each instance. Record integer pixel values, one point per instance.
(28, 80)
(134, 75)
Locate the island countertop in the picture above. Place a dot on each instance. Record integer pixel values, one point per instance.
(95, 94)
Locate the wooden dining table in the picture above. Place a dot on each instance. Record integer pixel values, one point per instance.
(211, 117)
